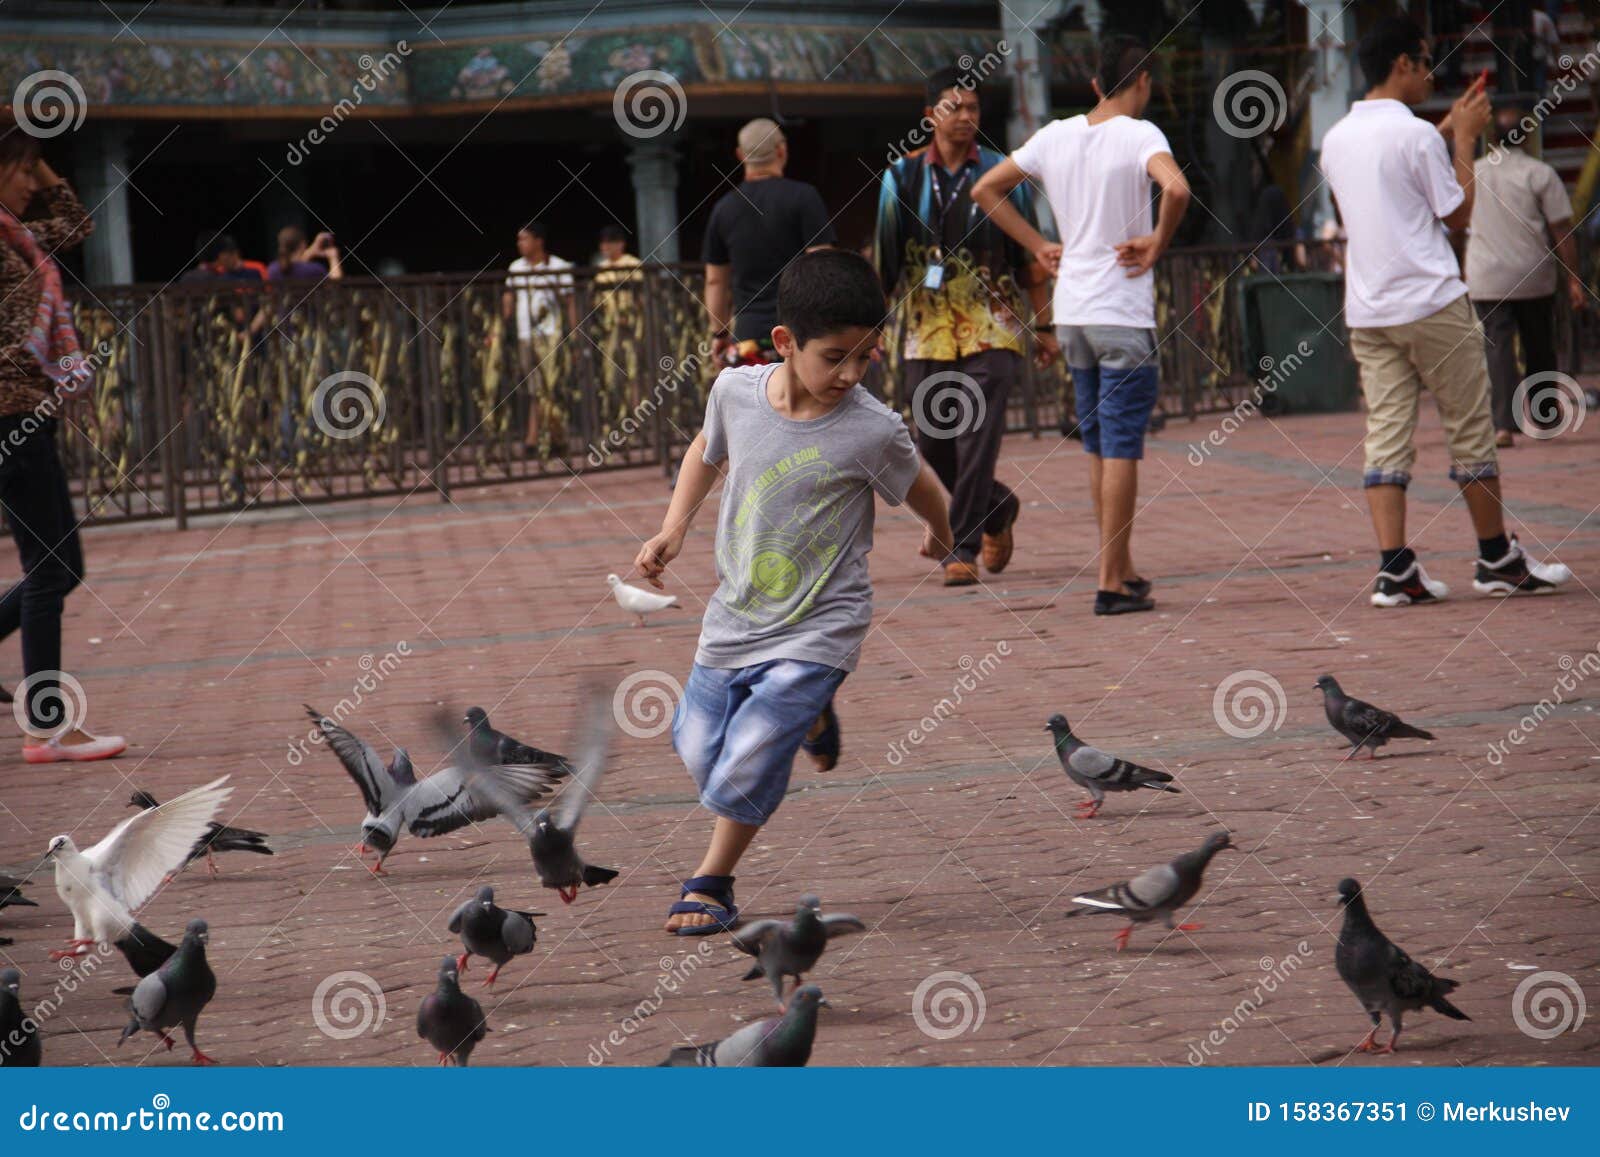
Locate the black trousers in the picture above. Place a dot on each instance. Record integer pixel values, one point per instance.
(1534, 319)
(962, 447)
(38, 506)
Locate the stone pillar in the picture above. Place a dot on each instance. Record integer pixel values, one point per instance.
(100, 151)
(1022, 25)
(1331, 33)
(654, 164)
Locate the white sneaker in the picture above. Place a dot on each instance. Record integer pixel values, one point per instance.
(1518, 574)
(1411, 585)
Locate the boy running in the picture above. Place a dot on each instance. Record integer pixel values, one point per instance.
(803, 449)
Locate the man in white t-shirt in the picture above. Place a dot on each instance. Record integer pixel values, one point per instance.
(539, 298)
(1411, 327)
(1096, 170)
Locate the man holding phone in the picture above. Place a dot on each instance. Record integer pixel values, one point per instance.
(1411, 327)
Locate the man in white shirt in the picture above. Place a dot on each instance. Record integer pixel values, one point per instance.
(1096, 170)
(1411, 327)
(539, 297)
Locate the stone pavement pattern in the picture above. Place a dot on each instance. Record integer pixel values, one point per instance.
(958, 847)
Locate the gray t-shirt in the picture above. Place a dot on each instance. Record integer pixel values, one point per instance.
(796, 522)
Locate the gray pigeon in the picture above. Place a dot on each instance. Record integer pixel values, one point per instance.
(450, 1020)
(491, 746)
(775, 1042)
(791, 947)
(19, 1036)
(1096, 772)
(1156, 893)
(1361, 723)
(176, 993)
(493, 932)
(1384, 978)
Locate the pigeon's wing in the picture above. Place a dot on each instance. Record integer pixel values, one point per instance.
(1365, 720)
(458, 916)
(597, 721)
(517, 933)
(146, 846)
(1408, 979)
(455, 797)
(750, 938)
(378, 787)
(1091, 762)
(149, 997)
(744, 1046)
(841, 924)
(1152, 889)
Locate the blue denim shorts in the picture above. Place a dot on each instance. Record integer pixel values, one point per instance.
(737, 731)
(1115, 377)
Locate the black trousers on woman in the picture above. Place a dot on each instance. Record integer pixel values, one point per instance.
(38, 507)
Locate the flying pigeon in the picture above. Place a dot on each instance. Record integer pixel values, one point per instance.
(637, 601)
(449, 1019)
(491, 746)
(105, 884)
(218, 837)
(176, 993)
(791, 947)
(1384, 978)
(441, 803)
(775, 1042)
(1157, 893)
(19, 1035)
(550, 832)
(1096, 772)
(1361, 723)
(492, 932)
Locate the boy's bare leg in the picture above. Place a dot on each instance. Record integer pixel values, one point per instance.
(1483, 504)
(1387, 505)
(1119, 491)
(729, 839)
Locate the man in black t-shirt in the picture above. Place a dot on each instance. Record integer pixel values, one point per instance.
(755, 231)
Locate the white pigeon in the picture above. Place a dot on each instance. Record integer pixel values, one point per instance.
(636, 601)
(104, 885)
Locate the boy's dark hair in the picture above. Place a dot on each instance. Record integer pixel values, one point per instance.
(1386, 42)
(534, 229)
(942, 80)
(223, 243)
(18, 147)
(1122, 59)
(612, 233)
(827, 290)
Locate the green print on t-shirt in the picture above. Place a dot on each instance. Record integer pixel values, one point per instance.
(773, 564)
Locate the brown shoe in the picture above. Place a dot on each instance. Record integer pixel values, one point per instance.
(997, 548)
(960, 574)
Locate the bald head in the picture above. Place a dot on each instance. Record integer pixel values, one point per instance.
(761, 144)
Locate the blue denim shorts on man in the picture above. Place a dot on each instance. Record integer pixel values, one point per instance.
(737, 731)
(1115, 375)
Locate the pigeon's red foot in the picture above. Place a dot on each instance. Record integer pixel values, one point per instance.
(200, 1058)
(568, 895)
(1190, 927)
(461, 961)
(1087, 811)
(1122, 937)
(489, 983)
(1368, 1042)
(211, 865)
(169, 1042)
(74, 948)
(444, 1058)
(1386, 1050)
(377, 869)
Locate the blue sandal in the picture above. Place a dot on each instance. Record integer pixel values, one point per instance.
(720, 889)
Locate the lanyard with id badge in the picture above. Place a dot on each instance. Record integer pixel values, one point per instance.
(934, 277)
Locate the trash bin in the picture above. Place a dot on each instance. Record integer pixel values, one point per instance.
(1299, 366)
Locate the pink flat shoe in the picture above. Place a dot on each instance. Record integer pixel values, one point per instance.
(53, 750)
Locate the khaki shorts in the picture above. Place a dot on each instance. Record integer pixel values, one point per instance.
(1443, 354)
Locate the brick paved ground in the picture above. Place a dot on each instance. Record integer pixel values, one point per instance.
(960, 853)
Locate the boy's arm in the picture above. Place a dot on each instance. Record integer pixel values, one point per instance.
(926, 500)
(992, 195)
(696, 478)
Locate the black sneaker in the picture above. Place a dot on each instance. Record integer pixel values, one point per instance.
(1517, 574)
(1139, 588)
(822, 742)
(1410, 586)
(1117, 603)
